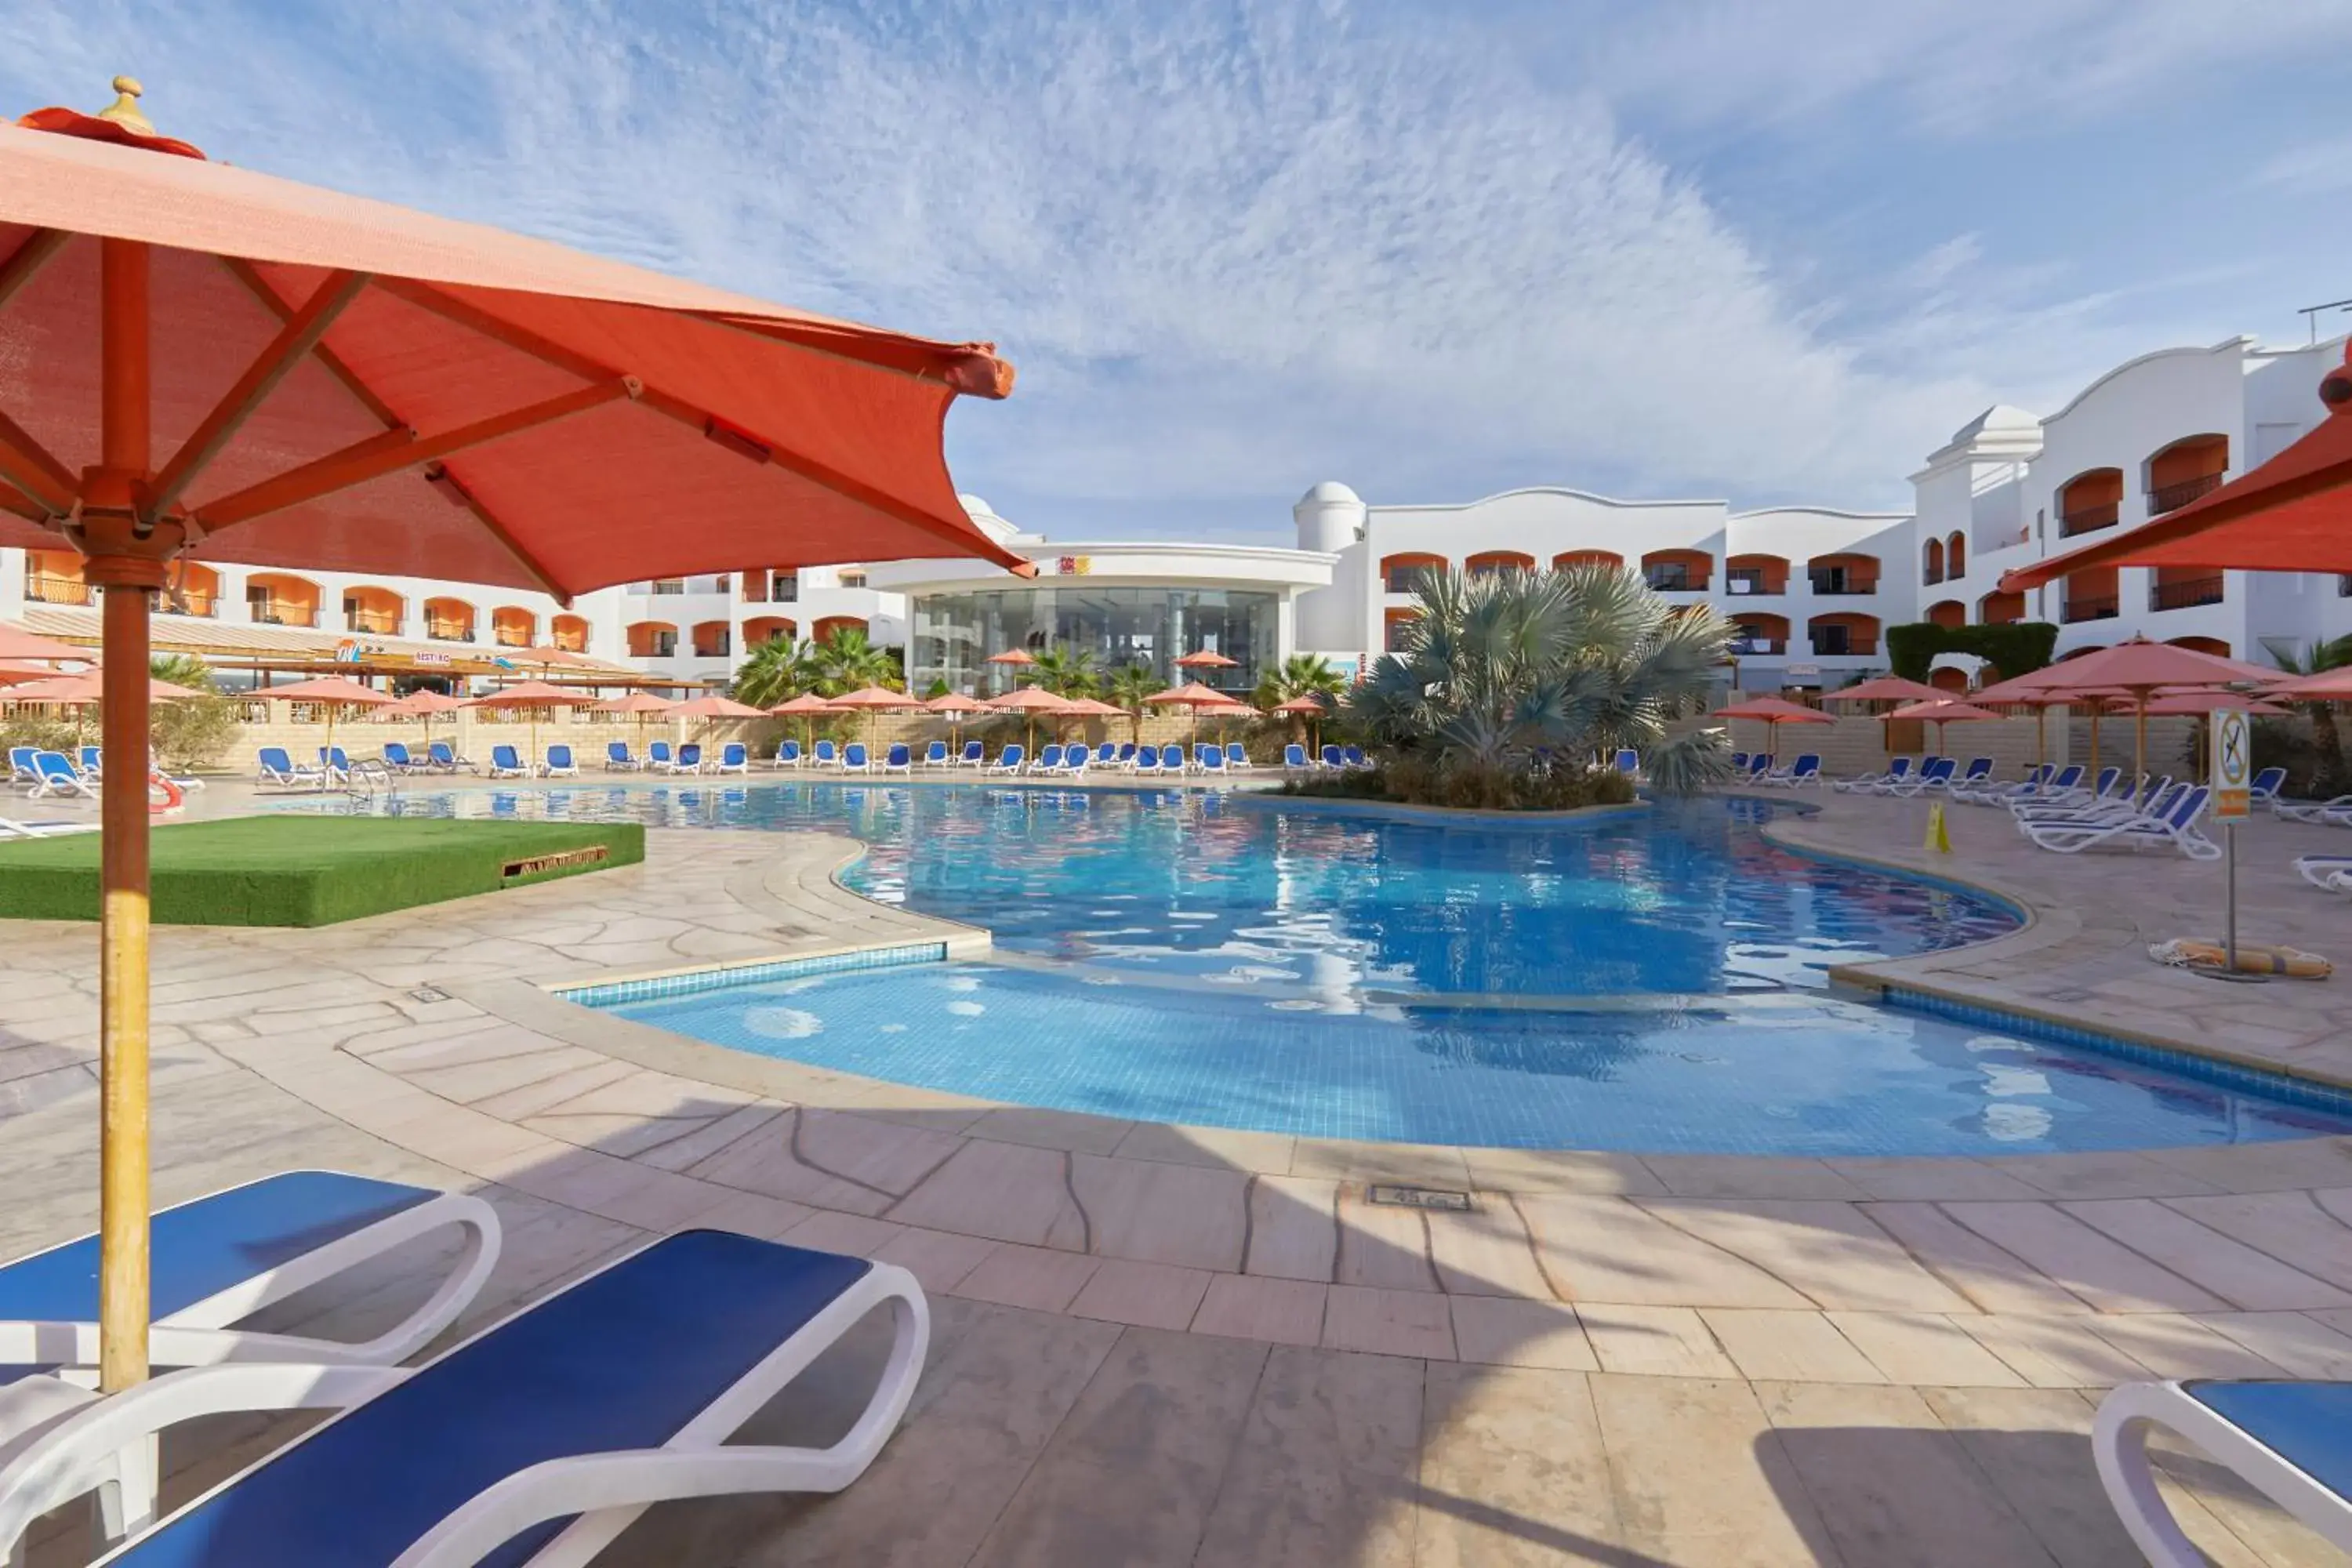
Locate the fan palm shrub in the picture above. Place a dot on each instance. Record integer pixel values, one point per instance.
(1511, 685)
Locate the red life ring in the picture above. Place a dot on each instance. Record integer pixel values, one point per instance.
(174, 797)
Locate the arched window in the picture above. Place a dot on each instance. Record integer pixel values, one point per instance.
(1847, 574)
(2183, 587)
(374, 612)
(449, 620)
(1931, 562)
(280, 599)
(511, 626)
(2090, 502)
(1999, 609)
(652, 639)
(1393, 629)
(194, 589)
(2091, 595)
(1843, 635)
(1948, 679)
(1759, 634)
(1955, 554)
(1568, 559)
(1490, 562)
(2213, 645)
(2184, 470)
(54, 577)
(1403, 574)
(713, 639)
(570, 633)
(823, 631)
(1677, 571)
(1761, 574)
(1948, 613)
(768, 628)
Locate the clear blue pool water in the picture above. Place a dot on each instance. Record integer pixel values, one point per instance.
(1650, 983)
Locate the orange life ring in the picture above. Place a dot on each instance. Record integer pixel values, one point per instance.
(174, 797)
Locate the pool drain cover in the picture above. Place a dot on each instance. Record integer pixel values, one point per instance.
(1421, 1199)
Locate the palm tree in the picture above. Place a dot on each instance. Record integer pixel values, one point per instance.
(1066, 670)
(848, 661)
(183, 669)
(2327, 776)
(1515, 677)
(1301, 675)
(1128, 687)
(777, 669)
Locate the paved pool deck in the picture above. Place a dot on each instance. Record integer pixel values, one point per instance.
(1163, 1344)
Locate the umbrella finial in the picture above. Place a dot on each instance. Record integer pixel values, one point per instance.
(124, 109)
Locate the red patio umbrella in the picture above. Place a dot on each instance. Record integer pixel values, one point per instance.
(332, 693)
(639, 703)
(1313, 709)
(1028, 701)
(1887, 689)
(1192, 697)
(85, 690)
(873, 699)
(1014, 658)
(955, 705)
(532, 695)
(1773, 712)
(2139, 668)
(1943, 711)
(715, 707)
(16, 642)
(456, 402)
(422, 704)
(2327, 686)
(2292, 513)
(804, 708)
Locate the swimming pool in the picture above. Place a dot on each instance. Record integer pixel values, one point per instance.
(1653, 982)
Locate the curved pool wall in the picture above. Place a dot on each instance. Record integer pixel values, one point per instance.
(1648, 982)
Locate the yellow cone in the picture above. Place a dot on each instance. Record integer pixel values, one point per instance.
(1939, 841)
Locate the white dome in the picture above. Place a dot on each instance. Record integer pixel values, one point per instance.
(1330, 490)
(2001, 417)
(974, 505)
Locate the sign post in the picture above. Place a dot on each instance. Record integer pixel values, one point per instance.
(2231, 773)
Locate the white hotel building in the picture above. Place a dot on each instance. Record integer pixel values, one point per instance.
(1812, 588)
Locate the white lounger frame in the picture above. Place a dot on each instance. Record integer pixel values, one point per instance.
(606, 1491)
(2119, 1442)
(199, 1336)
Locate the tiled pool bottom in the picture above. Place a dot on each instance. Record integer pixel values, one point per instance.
(1788, 1073)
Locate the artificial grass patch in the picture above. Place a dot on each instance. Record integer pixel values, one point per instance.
(289, 870)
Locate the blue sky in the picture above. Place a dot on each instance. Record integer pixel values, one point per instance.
(1774, 251)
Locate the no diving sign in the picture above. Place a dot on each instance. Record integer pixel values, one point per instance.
(2234, 758)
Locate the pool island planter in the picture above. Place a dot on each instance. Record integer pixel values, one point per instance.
(290, 870)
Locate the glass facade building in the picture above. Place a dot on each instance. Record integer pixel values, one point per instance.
(954, 635)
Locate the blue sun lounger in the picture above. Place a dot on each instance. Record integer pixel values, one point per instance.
(1147, 760)
(617, 759)
(560, 764)
(935, 755)
(898, 760)
(659, 759)
(21, 770)
(853, 759)
(445, 758)
(1897, 770)
(1333, 757)
(505, 762)
(788, 755)
(974, 754)
(2291, 1441)
(539, 1440)
(689, 758)
(1294, 759)
(218, 1260)
(827, 754)
(275, 767)
(1008, 761)
(734, 757)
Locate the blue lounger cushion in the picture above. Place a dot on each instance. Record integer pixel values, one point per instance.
(2308, 1424)
(205, 1247)
(622, 1361)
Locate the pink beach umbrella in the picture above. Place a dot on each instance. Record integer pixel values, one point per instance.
(1773, 713)
(638, 705)
(805, 708)
(1029, 703)
(1944, 711)
(873, 699)
(423, 704)
(334, 693)
(532, 695)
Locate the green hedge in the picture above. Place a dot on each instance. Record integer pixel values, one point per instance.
(2019, 648)
(293, 871)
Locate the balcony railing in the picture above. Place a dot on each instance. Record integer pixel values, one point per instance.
(666, 585)
(279, 613)
(1407, 579)
(1672, 580)
(1835, 588)
(375, 623)
(2099, 607)
(188, 604)
(57, 590)
(2173, 496)
(1748, 646)
(1843, 647)
(2185, 594)
(1753, 585)
(508, 637)
(2087, 520)
(448, 631)
(2344, 586)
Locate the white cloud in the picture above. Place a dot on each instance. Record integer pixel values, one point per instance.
(2315, 169)
(1232, 251)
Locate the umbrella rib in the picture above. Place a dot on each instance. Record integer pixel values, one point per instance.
(505, 536)
(463, 313)
(299, 335)
(41, 247)
(375, 457)
(34, 469)
(255, 284)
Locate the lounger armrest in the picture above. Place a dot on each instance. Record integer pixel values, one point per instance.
(74, 1456)
(2120, 1445)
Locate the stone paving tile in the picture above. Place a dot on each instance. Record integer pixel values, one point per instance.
(1218, 1148)
(1034, 1276)
(2237, 1273)
(2288, 1225)
(1994, 1280)
(1792, 1346)
(2298, 1344)
(762, 1161)
(853, 1235)
(1830, 1251)
(1279, 1311)
(1743, 1176)
(2103, 1272)
(2054, 1353)
(687, 1146)
(1893, 1488)
(2114, 1174)
(1608, 1249)
(1003, 1191)
(1500, 1331)
(1656, 1341)
(937, 1259)
(1162, 1213)
(1911, 1178)
(1382, 1245)
(1925, 1349)
(2173, 1346)
(1561, 1170)
(1066, 1130)
(1514, 1473)
(1132, 1472)
(1388, 1322)
(1485, 1253)
(2034, 1447)
(1695, 1478)
(1293, 1227)
(1149, 1294)
(1326, 1468)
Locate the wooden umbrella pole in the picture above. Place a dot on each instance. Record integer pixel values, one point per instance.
(123, 403)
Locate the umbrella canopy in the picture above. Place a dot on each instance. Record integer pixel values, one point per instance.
(638, 702)
(211, 363)
(1029, 700)
(952, 703)
(2327, 686)
(2292, 513)
(334, 690)
(532, 694)
(876, 698)
(1944, 711)
(2139, 668)
(1888, 688)
(423, 704)
(715, 707)
(11, 673)
(1314, 706)
(16, 642)
(1207, 658)
(1191, 695)
(87, 690)
(805, 703)
(1012, 655)
(1775, 711)
(2192, 704)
